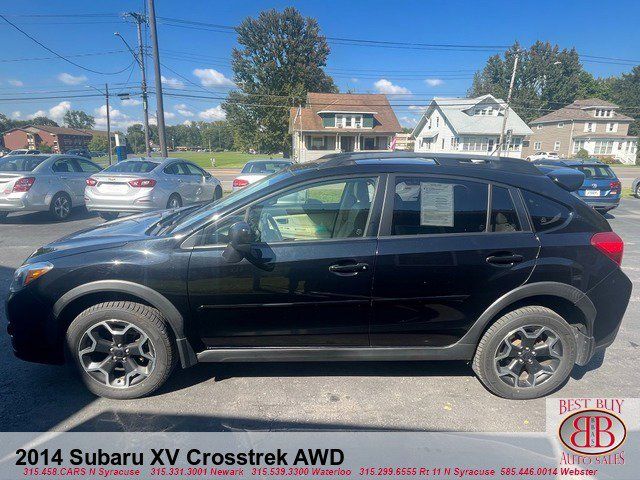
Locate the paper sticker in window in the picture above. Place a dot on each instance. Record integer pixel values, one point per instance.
(436, 204)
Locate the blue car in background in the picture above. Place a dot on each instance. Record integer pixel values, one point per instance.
(601, 188)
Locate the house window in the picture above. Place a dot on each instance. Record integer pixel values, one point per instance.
(348, 121)
(577, 146)
(443, 143)
(316, 143)
(437, 122)
(560, 124)
(589, 127)
(612, 127)
(603, 147)
(537, 146)
(556, 146)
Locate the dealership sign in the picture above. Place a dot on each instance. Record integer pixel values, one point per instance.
(592, 432)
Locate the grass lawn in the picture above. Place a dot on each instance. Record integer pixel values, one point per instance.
(223, 159)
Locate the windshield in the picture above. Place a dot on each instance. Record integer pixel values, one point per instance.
(185, 224)
(20, 163)
(132, 166)
(264, 168)
(596, 171)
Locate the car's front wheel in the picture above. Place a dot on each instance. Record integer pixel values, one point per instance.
(637, 192)
(123, 350)
(60, 207)
(217, 194)
(527, 353)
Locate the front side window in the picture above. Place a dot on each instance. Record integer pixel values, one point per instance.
(545, 213)
(320, 211)
(425, 206)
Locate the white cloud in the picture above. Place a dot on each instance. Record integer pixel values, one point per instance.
(17, 114)
(183, 110)
(69, 79)
(408, 121)
(55, 113)
(212, 78)
(16, 83)
(172, 82)
(385, 86)
(214, 113)
(130, 102)
(169, 115)
(354, 80)
(119, 119)
(434, 82)
(417, 108)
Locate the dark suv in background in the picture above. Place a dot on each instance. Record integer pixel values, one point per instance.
(601, 187)
(370, 256)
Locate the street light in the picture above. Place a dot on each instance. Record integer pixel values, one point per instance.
(106, 96)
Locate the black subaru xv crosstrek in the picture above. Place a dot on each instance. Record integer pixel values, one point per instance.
(358, 257)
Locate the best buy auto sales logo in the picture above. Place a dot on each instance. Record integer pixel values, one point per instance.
(592, 432)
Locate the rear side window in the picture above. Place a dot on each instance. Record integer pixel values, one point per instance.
(426, 206)
(504, 217)
(596, 171)
(545, 213)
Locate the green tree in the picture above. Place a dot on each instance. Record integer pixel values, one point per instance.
(582, 153)
(99, 143)
(625, 91)
(135, 138)
(280, 58)
(547, 79)
(79, 119)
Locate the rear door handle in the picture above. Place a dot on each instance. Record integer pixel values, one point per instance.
(349, 268)
(505, 259)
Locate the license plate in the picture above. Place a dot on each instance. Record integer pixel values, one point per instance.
(113, 188)
(592, 193)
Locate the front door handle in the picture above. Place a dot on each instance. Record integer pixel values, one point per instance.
(349, 268)
(505, 259)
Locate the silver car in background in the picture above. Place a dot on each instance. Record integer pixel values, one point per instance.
(142, 184)
(31, 183)
(255, 170)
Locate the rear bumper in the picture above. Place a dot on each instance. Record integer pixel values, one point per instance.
(21, 202)
(602, 203)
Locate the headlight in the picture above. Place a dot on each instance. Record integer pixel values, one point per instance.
(26, 274)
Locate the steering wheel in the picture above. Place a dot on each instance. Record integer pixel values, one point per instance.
(270, 232)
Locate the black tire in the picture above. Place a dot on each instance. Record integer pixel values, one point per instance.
(174, 201)
(143, 319)
(108, 216)
(637, 192)
(484, 361)
(60, 207)
(217, 194)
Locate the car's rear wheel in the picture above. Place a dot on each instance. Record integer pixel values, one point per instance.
(637, 192)
(60, 207)
(527, 353)
(108, 215)
(174, 201)
(123, 350)
(217, 194)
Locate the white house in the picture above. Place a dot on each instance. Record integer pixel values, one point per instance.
(468, 125)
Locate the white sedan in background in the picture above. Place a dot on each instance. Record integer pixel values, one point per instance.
(543, 156)
(254, 170)
(143, 184)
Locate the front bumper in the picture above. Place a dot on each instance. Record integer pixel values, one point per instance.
(33, 330)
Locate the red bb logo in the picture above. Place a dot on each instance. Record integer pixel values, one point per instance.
(592, 432)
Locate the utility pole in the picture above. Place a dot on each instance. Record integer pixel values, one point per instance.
(156, 63)
(139, 58)
(506, 111)
(106, 94)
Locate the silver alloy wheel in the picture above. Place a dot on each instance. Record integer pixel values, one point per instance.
(61, 206)
(528, 356)
(117, 353)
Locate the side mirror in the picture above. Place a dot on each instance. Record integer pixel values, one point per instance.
(240, 239)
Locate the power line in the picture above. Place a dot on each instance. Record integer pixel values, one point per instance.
(62, 57)
(33, 59)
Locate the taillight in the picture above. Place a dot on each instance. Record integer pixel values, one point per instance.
(239, 182)
(614, 187)
(23, 184)
(610, 244)
(143, 183)
(92, 182)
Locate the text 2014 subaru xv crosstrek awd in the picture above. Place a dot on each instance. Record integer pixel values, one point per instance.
(359, 257)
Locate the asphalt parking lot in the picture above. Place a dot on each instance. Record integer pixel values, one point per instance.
(426, 396)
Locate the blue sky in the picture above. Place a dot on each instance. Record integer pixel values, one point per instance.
(411, 76)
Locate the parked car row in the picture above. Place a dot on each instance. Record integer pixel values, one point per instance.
(59, 182)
